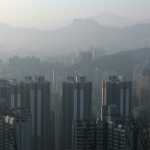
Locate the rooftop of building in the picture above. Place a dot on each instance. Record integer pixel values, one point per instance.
(115, 78)
(76, 79)
(124, 127)
(5, 82)
(35, 78)
(18, 112)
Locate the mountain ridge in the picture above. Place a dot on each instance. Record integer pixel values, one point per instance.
(121, 62)
(79, 35)
(113, 20)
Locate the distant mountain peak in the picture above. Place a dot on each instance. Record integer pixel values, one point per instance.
(112, 20)
(79, 35)
(77, 20)
(90, 20)
(108, 14)
(4, 25)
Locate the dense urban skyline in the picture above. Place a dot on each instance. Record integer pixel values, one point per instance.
(82, 82)
(66, 109)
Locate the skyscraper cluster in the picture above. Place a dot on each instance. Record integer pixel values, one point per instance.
(111, 131)
(57, 111)
(141, 80)
(114, 129)
(15, 127)
(34, 95)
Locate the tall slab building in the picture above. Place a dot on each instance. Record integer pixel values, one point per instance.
(117, 90)
(97, 81)
(76, 96)
(38, 95)
(12, 92)
(33, 94)
(17, 128)
(86, 64)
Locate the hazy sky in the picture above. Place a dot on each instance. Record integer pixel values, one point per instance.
(43, 13)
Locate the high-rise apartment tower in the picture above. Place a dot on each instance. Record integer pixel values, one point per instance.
(117, 90)
(37, 94)
(76, 95)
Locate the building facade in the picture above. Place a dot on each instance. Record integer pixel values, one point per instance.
(33, 94)
(87, 135)
(97, 82)
(86, 64)
(111, 132)
(16, 125)
(118, 90)
(13, 92)
(37, 95)
(76, 96)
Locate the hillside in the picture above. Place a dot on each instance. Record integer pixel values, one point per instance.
(79, 35)
(122, 62)
(112, 20)
(138, 55)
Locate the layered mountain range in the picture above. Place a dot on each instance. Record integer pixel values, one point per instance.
(79, 35)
